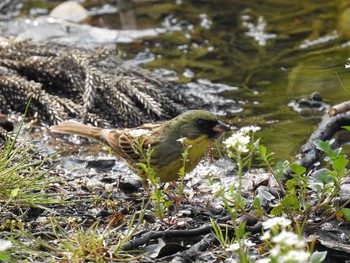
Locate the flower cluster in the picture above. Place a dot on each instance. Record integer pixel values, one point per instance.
(286, 245)
(236, 246)
(238, 142)
(276, 223)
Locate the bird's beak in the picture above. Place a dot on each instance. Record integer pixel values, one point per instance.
(221, 127)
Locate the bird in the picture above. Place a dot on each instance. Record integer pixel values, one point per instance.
(194, 129)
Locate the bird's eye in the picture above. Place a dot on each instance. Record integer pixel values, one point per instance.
(201, 124)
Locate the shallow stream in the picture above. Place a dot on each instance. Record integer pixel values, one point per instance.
(272, 51)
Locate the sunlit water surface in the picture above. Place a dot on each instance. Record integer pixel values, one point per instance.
(268, 52)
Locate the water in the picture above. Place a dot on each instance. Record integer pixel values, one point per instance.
(273, 52)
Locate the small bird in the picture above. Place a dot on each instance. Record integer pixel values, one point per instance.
(194, 129)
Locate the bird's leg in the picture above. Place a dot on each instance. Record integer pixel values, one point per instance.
(211, 159)
(178, 198)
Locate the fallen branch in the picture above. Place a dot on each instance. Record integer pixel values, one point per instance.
(326, 131)
(195, 250)
(203, 230)
(339, 108)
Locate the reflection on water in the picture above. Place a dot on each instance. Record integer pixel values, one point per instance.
(273, 51)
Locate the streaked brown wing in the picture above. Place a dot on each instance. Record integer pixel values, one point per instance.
(112, 138)
(124, 142)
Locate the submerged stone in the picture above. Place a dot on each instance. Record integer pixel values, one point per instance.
(71, 11)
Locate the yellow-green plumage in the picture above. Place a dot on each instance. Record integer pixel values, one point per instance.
(196, 150)
(196, 128)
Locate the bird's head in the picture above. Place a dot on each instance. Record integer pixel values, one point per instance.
(195, 123)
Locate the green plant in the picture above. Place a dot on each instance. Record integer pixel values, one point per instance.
(4, 255)
(286, 246)
(22, 177)
(182, 172)
(23, 174)
(230, 243)
(158, 197)
(75, 243)
(305, 194)
(241, 147)
(97, 243)
(301, 197)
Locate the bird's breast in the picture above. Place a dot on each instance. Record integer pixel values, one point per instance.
(167, 161)
(196, 149)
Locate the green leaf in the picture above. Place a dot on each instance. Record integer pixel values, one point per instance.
(262, 151)
(290, 202)
(14, 193)
(257, 202)
(182, 171)
(323, 176)
(280, 167)
(168, 204)
(336, 152)
(277, 210)
(143, 166)
(290, 184)
(346, 128)
(318, 256)
(346, 213)
(241, 229)
(316, 186)
(323, 146)
(297, 169)
(5, 257)
(340, 164)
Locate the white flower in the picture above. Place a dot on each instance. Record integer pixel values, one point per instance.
(295, 256)
(237, 141)
(248, 243)
(258, 31)
(5, 244)
(181, 139)
(135, 133)
(233, 247)
(266, 235)
(276, 251)
(289, 239)
(205, 21)
(276, 221)
(263, 260)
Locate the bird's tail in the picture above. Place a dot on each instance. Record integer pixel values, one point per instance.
(70, 127)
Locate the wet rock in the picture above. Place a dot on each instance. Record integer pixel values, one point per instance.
(5, 126)
(101, 164)
(71, 11)
(130, 183)
(6, 123)
(309, 107)
(63, 32)
(93, 184)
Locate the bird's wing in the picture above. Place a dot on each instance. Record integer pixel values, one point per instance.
(129, 143)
